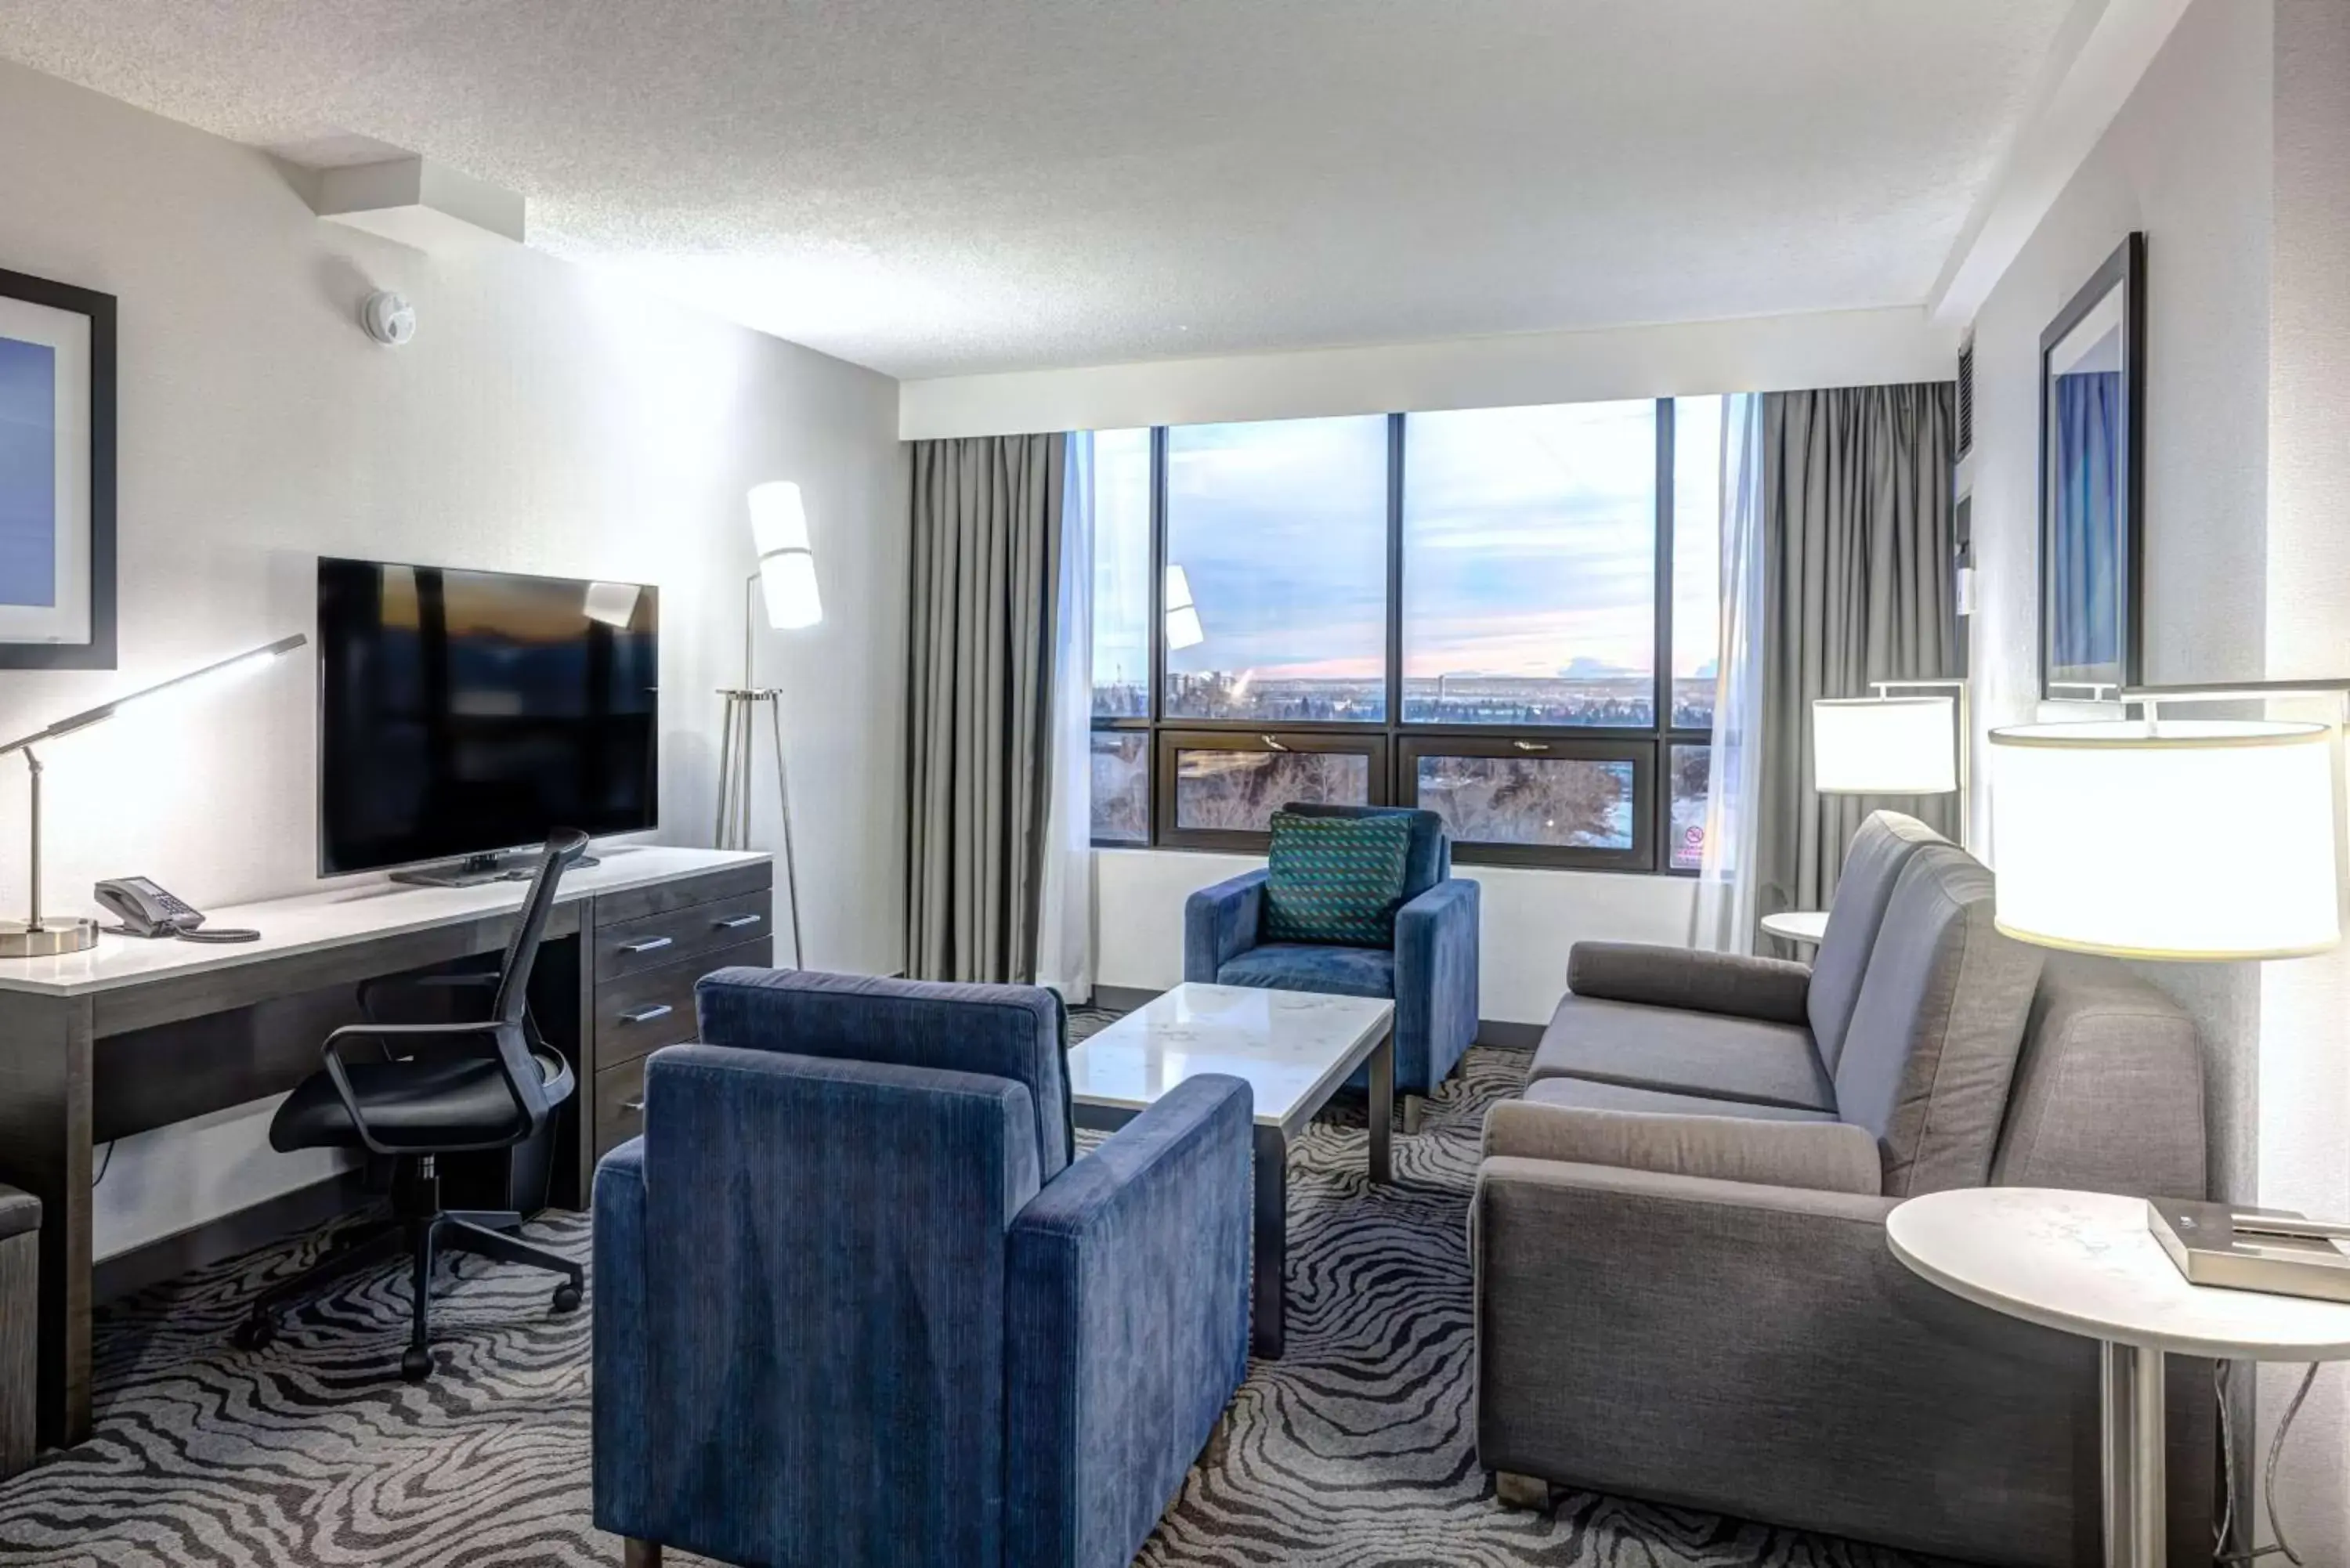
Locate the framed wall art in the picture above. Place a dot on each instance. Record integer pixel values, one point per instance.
(57, 475)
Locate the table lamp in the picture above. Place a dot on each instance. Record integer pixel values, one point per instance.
(1887, 744)
(785, 578)
(2096, 826)
(35, 936)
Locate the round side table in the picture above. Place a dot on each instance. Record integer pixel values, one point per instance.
(2083, 1262)
(1804, 926)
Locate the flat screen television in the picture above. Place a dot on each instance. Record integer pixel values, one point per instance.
(466, 713)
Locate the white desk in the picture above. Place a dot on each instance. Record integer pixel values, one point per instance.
(2083, 1262)
(133, 1034)
(1292, 1048)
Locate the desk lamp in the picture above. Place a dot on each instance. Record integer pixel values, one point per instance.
(35, 936)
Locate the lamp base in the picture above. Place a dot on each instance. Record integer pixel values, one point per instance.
(51, 938)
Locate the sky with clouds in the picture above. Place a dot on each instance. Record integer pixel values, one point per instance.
(1527, 537)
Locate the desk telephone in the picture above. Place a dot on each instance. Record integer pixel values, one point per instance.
(145, 909)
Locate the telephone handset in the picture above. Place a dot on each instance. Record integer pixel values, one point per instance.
(145, 909)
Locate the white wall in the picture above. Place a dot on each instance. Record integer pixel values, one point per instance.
(544, 420)
(1527, 920)
(1832, 348)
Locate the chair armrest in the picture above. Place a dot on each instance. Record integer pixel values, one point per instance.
(1127, 1313)
(1776, 990)
(1818, 1156)
(510, 1050)
(1219, 924)
(620, 1390)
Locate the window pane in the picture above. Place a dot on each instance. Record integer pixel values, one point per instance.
(1576, 803)
(1696, 558)
(1240, 791)
(1121, 606)
(1530, 567)
(1692, 771)
(1279, 532)
(1121, 786)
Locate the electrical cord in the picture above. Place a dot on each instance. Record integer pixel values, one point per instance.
(104, 1165)
(2283, 1544)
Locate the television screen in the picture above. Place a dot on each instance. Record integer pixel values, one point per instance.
(462, 713)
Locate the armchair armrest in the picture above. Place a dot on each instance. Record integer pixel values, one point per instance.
(621, 1398)
(1127, 1313)
(1774, 989)
(1818, 1156)
(1435, 981)
(1219, 924)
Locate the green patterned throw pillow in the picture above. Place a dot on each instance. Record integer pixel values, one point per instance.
(1335, 878)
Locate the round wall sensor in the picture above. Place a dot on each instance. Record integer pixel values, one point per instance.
(387, 317)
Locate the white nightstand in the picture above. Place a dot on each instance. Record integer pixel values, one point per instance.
(1806, 925)
(2084, 1262)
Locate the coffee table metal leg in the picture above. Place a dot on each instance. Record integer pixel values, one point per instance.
(1268, 1298)
(1383, 1109)
(2137, 1490)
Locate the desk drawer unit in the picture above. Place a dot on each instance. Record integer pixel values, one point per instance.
(648, 955)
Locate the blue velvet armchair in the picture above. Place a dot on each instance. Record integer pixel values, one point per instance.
(857, 1300)
(1430, 972)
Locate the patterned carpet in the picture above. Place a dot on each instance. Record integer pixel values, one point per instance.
(1356, 1449)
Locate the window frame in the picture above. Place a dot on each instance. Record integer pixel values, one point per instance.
(1394, 744)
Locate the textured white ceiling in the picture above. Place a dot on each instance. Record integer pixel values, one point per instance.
(939, 186)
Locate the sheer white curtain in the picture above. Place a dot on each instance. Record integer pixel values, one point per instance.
(1065, 927)
(1726, 904)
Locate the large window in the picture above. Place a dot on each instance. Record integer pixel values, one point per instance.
(1506, 616)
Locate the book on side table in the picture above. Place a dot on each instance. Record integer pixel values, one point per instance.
(2244, 1248)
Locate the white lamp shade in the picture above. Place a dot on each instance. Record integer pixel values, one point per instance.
(779, 531)
(1885, 745)
(2202, 839)
(1183, 627)
(788, 581)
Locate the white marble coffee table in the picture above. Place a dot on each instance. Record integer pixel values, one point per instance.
(1293, 1049)
(2086, 1264)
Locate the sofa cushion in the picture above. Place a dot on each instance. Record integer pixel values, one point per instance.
(1313, 966)
(1430, 858)
(1871, 867)
(1766, 987)
(1334, 880)
(1591, 1095)
(1932, 1045)
(1820, 1157)
(1706, 1054)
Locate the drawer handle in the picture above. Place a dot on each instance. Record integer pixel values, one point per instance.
(649, 945)
(736, 922)
(635, 1107)
(646, 1014)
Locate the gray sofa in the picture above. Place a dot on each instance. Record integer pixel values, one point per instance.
(1683, 1288)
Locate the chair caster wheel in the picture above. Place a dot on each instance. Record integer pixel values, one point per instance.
(254, 1334)
(415, 1364)
(566, 1298)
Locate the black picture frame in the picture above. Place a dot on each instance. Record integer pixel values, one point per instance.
(98, 651)
(2122, 273)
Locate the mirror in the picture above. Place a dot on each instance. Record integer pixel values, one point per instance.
(2092, 460)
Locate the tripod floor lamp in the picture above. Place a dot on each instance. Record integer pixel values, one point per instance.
(787, 581)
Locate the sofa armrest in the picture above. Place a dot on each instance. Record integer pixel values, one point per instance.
(621, 1389)
(1775, 990)
(1219, 924)
(1127, 1309)
(1817, 1156)
(1435, 981)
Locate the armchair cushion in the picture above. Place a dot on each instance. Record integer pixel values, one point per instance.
(1313, 966)
(1127, 1326)
(1221, 923)
(1708, 1053)
(1430, 859)
(1334, 880)
(1770, 989)
(1818, 1156)
(1012, 1032)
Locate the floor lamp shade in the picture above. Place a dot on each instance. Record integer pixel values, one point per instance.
(2197, 840)
(779, 530)
(1885, 745)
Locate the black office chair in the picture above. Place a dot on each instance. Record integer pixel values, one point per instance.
(436, 1089)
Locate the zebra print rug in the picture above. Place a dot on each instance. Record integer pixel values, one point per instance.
(1356, 1450)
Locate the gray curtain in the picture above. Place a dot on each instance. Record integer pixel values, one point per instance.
(1857, 586)
(986, 531)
